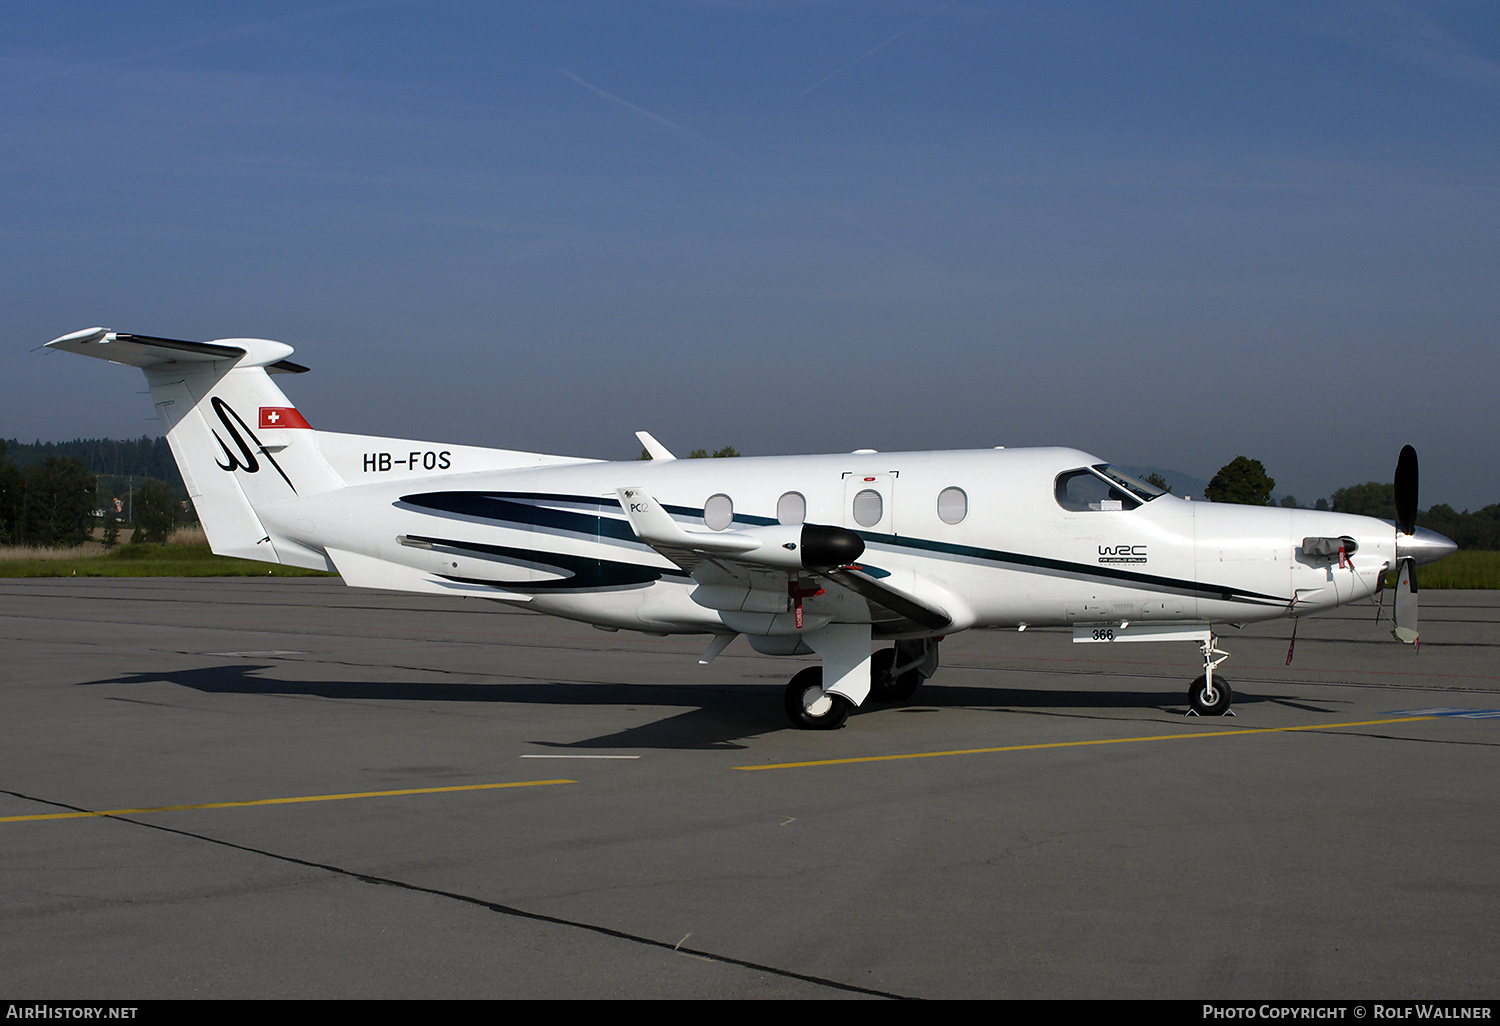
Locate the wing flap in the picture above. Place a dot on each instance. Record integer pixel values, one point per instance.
(924, 613)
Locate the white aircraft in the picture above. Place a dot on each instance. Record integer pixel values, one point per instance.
(803, 555)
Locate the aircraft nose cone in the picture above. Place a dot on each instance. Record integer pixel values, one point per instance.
(1424, 547)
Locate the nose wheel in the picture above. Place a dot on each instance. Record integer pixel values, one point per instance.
(1210, 697)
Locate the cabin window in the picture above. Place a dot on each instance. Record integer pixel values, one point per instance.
(791, 509)
(868, 508)
(953, 505)
(718, 512)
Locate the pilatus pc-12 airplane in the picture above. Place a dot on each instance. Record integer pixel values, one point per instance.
(804, 555)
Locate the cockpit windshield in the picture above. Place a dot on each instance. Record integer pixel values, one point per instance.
(1102, 487)
(1140, 489)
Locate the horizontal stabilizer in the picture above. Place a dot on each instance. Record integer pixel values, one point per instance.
(149, 350)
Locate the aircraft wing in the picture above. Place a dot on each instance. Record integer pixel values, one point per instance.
(764, 559)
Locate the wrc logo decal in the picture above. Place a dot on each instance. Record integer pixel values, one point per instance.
(1122, 553)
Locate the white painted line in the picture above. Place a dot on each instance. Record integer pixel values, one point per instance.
(580, 756)
(254, 655)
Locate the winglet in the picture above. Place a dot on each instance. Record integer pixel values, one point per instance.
(655, 448)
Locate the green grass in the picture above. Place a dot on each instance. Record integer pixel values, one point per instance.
(152, 561)
(1464, 569)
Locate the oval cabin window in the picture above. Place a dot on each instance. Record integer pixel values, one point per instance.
(718, 512)
(791, 509)
(953, 505)
(868, 508)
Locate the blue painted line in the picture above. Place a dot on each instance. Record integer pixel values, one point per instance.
(1467, 714)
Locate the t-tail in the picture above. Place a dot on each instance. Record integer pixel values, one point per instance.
(239, 442)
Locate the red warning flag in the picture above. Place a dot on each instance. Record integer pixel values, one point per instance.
(281, 417)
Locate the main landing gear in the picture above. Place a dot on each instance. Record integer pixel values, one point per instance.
(895, 675)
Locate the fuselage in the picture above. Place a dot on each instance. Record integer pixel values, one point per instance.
(1003, 537)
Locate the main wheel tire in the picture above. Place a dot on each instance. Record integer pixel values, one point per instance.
(886, 687)
(810, 707)
(1198, 696)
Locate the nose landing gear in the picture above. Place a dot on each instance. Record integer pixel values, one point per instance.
(1210, 695)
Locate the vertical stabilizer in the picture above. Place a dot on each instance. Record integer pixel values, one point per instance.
(239, 442)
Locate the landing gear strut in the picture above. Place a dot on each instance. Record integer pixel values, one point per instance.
(896, 673)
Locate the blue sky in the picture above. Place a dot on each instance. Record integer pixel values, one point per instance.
(1166, 233)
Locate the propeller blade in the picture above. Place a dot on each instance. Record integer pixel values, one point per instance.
(1406, 603)
(1406, 490)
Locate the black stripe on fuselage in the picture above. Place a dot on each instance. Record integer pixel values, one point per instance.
(580, 573)
(521, 508)
(1062, 567)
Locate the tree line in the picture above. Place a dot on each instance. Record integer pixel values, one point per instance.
(1245, 481)
(114, 457)
(56, 501)
(53, 494)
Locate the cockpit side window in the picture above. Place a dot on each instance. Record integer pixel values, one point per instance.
(1084, 489)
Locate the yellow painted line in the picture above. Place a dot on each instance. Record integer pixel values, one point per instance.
(285, 801)
(1080, 744)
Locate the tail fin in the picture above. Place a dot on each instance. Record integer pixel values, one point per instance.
(240, 444)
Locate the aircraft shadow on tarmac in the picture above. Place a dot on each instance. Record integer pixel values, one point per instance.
(724, 715)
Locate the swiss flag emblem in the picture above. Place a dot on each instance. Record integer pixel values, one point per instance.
(281, 417)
